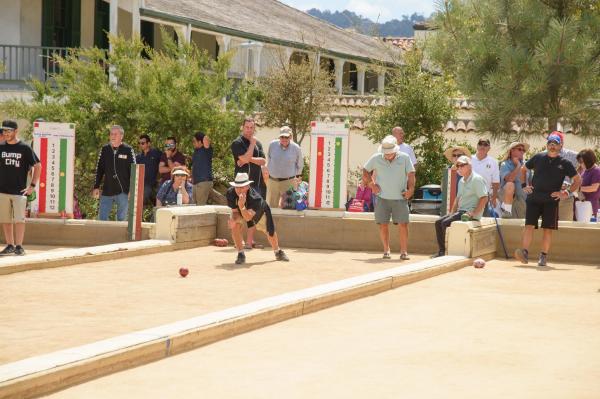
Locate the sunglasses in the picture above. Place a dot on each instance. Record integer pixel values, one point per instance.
(460, 165)
(483, 144)
(456, 155)
(7, 130)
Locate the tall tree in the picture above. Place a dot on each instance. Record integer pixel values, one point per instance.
(532, 62)
(294, 94)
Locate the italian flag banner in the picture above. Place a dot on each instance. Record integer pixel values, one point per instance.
(54, 144)
(328, 165)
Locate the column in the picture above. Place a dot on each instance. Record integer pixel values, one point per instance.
(135, 19)
(113, 29)
(224, 42)
(339, 74)
(360, 73)
(256, 52)
(113, 24)
(187, 33)
(380, 82)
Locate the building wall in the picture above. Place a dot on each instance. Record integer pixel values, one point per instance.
(87, 23)
(124, 23)
(31, 22)
(205, 42)
(10, 30)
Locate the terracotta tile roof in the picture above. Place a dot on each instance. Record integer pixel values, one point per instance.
(403, 43)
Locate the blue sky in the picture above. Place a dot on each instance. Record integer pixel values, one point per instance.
(385, 9)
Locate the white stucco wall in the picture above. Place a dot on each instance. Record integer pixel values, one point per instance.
(10, 29)
(31, 22)
(87, 23)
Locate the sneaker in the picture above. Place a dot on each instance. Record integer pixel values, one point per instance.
(19, 250)
(404, 256)
(8, 250)
(386, 255)
(241, 258)
(542, 261)
(522, 255)
(440, 253)
(280, 255)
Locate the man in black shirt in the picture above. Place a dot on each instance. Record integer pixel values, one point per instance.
(113, 172)
(150, 158)
(16, 160)
(250, 208)
(249, 157)
(550, 170)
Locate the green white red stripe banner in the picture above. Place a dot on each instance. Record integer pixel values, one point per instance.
(328, 165)
(54, 144)
(136, 202)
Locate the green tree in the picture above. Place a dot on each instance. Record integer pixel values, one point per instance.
(419, 102)
(175, 91)
(294, 94)
(534, 62)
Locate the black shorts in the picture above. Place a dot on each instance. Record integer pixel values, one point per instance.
(264, 221)
(547, 209)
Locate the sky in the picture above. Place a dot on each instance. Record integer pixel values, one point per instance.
(382, 10)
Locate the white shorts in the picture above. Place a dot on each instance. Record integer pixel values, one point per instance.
(12, 208)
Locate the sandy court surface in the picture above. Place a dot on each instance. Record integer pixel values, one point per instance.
(53, 309)
(501, 332)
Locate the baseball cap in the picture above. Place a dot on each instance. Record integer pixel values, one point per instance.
(9, 124)
(285, 131)
(555, 138)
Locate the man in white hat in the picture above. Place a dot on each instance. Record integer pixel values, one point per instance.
(394, 184)
(248, 207)
(285, 163)
(471, 199)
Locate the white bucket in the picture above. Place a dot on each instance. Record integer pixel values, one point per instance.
(583, 211)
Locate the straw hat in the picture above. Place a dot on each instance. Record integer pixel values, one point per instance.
(450, 150)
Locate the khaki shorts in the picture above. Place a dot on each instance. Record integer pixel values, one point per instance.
(12, 208)
(264, 224)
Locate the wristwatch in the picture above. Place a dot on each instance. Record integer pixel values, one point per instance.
(32, 185)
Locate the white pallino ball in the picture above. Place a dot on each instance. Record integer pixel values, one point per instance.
(478, 263)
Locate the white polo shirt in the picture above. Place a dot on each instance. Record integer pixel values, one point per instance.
(407, 149)
(487, 168)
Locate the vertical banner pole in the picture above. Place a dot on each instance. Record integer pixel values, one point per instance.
(136, 202)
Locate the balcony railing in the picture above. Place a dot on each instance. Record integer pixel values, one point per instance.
(20, 63)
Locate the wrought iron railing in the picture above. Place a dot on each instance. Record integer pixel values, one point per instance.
(20, 63)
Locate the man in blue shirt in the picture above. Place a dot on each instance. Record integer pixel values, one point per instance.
(202, 174)
(285, 165)
(150, 157)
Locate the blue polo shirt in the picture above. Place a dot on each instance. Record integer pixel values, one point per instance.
(151, 161)
(202, 164)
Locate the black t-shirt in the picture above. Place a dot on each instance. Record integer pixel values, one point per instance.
(239, 147)
(253, 201)
(15, 162)
(549, 174)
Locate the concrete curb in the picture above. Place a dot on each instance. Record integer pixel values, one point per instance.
(44, 374)
(68, 257)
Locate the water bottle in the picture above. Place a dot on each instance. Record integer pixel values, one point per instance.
(179, 196)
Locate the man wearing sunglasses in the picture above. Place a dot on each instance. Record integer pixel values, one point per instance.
(16, 160)
(549, 172)
(512, 181)
(150, 158)
(471, 199)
